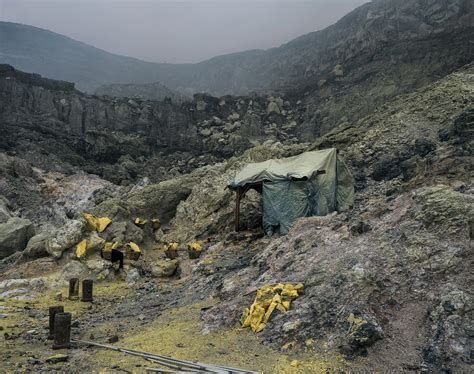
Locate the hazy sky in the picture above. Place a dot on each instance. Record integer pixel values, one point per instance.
(178, 30)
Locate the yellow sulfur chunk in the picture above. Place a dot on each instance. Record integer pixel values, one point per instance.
(267, 299)
(134, 247)
(108, 246)
(289, 292)
(103, 223)
(269, 311)
(244, 320)
(195, 246)
(257, 316)
(299, 287)
(140, 222)
(281, 308)
(172, 246)
(81, 249)
(260, 327)
(95, 223)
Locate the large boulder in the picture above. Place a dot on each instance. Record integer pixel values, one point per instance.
(65, 237)
(72, 269)
(123, 232)
(273, 108)
(161, 199)
(36, 247)
(152, 201)
(14, 235)
(164, 268)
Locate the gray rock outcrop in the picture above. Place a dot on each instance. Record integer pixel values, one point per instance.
(14, 235)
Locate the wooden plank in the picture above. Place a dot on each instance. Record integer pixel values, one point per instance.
(238, 195)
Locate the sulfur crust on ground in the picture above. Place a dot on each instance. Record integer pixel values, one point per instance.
(17, 310)
(177, 333)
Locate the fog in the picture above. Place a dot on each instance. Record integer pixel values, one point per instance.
(178, 31)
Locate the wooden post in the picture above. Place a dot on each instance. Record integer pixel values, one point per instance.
(62, 330)
(52, 313)
(74, 289)
(87, 285)
(238, 195)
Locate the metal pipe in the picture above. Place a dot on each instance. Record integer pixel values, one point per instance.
(52, 313)
(171, 362)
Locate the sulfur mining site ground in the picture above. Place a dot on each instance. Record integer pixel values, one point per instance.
(143, 170)
(387, 284)
(164, 329)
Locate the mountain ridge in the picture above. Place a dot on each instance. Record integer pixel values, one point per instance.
(355, 38)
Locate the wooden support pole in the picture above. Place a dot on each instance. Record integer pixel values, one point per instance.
(238, 195)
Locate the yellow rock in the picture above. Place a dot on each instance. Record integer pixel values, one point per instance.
(267, 299)
(195, 246)
(134, 247)
(140, 222)
(81, 249)
(172, 246)
(108, 246)
(95, 223)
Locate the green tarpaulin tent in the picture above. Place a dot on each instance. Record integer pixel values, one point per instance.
(310, 184)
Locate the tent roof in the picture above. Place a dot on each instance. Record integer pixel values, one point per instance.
(296, 167)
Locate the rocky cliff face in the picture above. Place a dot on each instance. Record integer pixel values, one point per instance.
(149, 91)
(382, 49)
(124, 139)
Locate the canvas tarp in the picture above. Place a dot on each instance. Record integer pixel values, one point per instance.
(313, 183)
(296, 167)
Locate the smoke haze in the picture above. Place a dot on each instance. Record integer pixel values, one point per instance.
(178, 31)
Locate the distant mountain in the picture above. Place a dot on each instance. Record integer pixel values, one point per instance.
(150, 91)
(56, 56)
(388, 33)
(342, 73)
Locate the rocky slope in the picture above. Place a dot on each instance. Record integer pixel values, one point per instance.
(389, 280)
(150, 91)
(381, 49)
(399, 262)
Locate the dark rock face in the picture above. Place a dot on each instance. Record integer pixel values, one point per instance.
(148, 91)
(464, 125)
(57, 128)
(35, 79)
